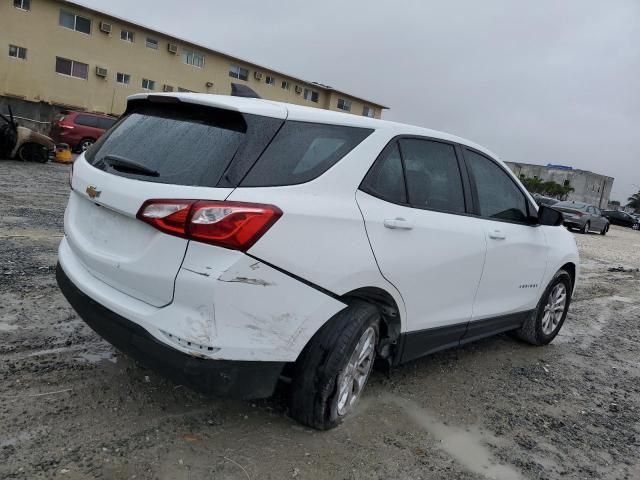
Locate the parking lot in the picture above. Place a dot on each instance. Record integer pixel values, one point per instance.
(71, 407)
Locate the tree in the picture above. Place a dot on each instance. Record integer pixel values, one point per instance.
(634, 201)
(548, 188)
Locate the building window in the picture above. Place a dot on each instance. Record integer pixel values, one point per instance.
(148, 84)
(75, 22)
(368, 111)
(22, 4)
(152, 43)
(72, 68)
(123, 78)
(126, 35)
(286, 85)
(344, 104)
(311, 95)
(238, 72)
(193, 58)
(269, 80)
(184, 90)
(17, 52)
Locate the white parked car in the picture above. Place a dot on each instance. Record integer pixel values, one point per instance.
(233, 242)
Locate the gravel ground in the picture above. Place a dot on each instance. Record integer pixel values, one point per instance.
(73, 408)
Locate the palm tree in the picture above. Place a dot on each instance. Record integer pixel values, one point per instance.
(634, 201)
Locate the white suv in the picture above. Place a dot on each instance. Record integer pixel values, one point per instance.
(233, 242)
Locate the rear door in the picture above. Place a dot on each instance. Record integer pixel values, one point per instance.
(89, 126)
(516, 250)
(597, 220)
(190, 148)
(423, 240)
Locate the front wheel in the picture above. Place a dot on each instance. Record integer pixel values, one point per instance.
(636, 226)
(605, 229)
(545, 322)
(333, 369)
(586, 228)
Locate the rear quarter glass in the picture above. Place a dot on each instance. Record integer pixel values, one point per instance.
(189, 145)
(301, 152)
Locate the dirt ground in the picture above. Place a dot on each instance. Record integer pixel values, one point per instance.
(73, 408)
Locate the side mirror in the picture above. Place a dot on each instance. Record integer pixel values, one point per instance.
(549, 216)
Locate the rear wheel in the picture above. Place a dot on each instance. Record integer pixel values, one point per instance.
(333, 369)
(586, 228)
(84, 144)
(545, 322)
(32, 152)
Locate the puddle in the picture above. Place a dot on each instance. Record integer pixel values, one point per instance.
(7, 327)
(97, 357)
(12, 440)
(468, 446)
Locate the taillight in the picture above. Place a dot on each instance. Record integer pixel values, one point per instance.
(233, 225)
(68, 127)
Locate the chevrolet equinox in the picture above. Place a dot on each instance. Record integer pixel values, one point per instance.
(232, 243)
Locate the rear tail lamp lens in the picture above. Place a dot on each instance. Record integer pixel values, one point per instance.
(233, 225)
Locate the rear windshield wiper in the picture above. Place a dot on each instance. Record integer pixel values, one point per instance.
(125, 165)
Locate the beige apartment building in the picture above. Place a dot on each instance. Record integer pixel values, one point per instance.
(61, 55)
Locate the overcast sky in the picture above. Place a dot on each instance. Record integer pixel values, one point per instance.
(543, 81)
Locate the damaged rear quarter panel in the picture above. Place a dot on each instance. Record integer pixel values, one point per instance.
(259, 313)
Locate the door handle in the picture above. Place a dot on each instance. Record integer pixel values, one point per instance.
(398, 224)
(497, 235)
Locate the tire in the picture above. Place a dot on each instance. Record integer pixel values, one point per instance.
(532, 330)
(84, 144)
(32, 152)
(586, 228)
(636, 226)
(605, 229)
(322, 365)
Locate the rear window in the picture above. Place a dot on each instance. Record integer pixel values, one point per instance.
(574, 205)
(301, 152)
(182, 144)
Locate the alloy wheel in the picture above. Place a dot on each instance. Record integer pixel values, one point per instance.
(554, 309)
(353, 378)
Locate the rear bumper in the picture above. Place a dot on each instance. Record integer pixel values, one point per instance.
(573, 224)
(227, 378)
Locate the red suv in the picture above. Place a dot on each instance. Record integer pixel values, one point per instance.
(79, 129)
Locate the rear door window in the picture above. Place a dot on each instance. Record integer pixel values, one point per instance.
(433, 175)
(106, 123)
(86, 120)
(301, 152)
(182, 144)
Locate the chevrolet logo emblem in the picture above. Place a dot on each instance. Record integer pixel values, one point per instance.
(93, 192)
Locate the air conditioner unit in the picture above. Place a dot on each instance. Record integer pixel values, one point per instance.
(167, 88)
(173, 48)
(258, 75)
(298, 89)
(209, 84)
(101, 71)
(105, 27)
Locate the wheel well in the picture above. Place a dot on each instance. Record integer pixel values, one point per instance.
(570, 268)
(390, 327)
